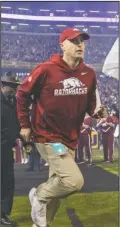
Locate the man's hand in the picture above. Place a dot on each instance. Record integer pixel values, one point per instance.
(25, 133)
(100, 112)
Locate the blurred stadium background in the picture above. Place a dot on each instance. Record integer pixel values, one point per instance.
(29, 36)
(30, 31)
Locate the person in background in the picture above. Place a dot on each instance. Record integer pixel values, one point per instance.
(107, 129)
(21, 156)
(23, 153)
(64, 91)
(17, 153)
(34, 159)
(9, 133)
(84, 142)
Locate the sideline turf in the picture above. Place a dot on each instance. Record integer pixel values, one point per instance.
(93, 210)
(98, 209)
(110, 167)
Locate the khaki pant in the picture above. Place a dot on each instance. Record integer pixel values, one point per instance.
(65, 178)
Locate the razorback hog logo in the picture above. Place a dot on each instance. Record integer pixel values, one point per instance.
(71, 86)
(72, 83)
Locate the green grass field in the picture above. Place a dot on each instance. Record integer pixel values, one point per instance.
(111, 167)
(98, 209)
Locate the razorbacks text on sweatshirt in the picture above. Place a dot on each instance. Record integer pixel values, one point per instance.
(62, 96)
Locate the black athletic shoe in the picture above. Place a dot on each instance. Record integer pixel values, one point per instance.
(5, 221)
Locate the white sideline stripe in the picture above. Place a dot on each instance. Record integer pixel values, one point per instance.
(59, 18)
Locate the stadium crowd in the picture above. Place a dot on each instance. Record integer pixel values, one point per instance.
(108, 88)
(38, 48)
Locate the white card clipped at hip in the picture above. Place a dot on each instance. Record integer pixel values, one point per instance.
(59, 148)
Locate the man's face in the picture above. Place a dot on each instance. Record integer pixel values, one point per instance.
(74, 48)
(9, 90)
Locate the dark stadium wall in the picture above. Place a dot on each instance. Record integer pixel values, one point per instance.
(20, 72)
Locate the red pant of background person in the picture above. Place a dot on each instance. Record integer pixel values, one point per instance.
(84, 141)
(108, 146)
(18, 152)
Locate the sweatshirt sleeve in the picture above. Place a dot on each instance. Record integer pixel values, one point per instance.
(23, 95)
(93, 97)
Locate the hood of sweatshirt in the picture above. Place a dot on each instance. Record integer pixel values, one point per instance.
(58, 59)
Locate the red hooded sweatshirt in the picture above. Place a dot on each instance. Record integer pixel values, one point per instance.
(62, 96)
